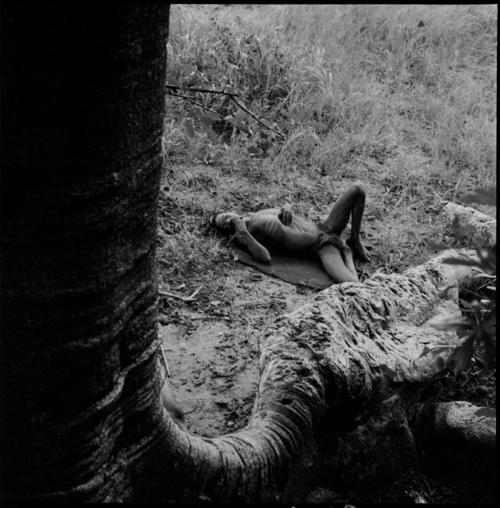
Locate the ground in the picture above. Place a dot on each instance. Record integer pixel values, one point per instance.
(212, 342)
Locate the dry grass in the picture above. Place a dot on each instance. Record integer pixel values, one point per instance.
(364, 79)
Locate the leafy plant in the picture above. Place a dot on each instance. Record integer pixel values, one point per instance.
(479, 320)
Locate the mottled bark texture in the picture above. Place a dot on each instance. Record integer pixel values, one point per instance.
(82, 114)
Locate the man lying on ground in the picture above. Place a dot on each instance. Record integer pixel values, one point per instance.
(278, 229)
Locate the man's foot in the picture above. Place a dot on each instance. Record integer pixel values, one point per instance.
(358, 250)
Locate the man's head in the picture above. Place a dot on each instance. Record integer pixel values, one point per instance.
(225, 222)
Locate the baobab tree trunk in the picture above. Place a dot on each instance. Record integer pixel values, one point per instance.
(82, 419)
(83, 106)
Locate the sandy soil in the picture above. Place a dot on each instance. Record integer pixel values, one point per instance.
(213, 355)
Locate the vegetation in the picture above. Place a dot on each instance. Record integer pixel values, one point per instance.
(402, 98)
(345, 82)
(477, 296)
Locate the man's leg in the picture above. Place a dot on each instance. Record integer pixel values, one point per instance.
(334, 265)
(351, 202)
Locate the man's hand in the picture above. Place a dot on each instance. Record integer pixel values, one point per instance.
(286, 215)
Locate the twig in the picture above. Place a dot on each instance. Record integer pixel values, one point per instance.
(203, 90)
(174, 94)
(258, 120)
(165, 360)
(183, 298)
(204, 317)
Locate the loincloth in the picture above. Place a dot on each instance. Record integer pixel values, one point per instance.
(327, 238)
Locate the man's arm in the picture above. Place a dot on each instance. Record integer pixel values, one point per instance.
(284, 213)
(244, 238)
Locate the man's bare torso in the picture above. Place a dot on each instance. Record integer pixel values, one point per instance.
(299, 237)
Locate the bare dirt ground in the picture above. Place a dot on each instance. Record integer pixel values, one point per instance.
(213, 352)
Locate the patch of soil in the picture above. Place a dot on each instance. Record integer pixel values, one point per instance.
(213, 360)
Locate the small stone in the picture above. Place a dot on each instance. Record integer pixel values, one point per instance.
(163, 320)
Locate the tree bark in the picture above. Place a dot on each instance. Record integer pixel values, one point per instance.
(82, 116)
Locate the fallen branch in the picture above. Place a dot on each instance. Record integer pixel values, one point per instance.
(174, 94)
(203, 90)
(190, 298)
(257, 119)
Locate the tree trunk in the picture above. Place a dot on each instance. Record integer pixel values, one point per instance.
(83, 107)
(80, 378)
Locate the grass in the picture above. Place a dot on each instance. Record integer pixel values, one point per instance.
(343, 83)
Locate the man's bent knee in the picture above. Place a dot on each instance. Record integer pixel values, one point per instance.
(358, 189)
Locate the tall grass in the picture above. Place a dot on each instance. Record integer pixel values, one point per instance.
(343, 83)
